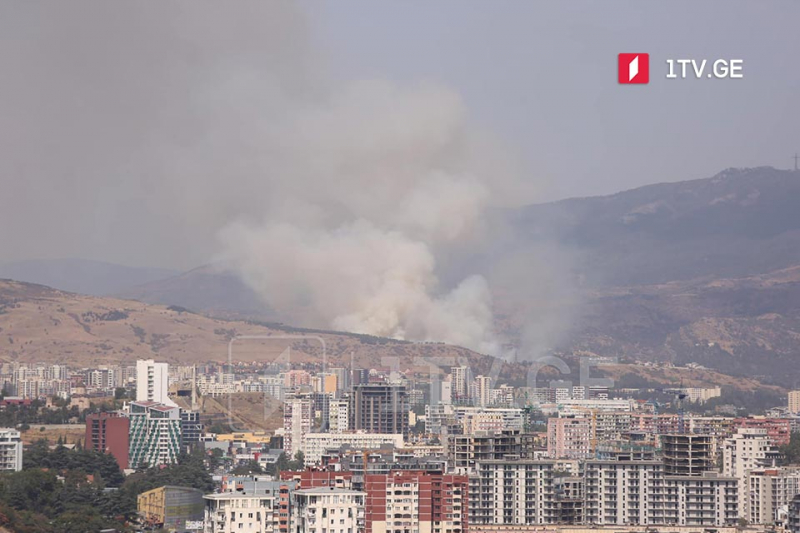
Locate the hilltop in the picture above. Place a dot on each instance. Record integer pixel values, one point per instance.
(41, 324)
(738, 223)
(704, 271)
(84, 276)
(38, 323)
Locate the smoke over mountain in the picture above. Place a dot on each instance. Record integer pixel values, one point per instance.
(372, 185)
(175, 134)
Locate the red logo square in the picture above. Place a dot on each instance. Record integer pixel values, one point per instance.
(634, 68)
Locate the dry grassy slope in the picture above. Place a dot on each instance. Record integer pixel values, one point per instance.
(742, 326)
(687, 377)
(248, 410)
(38, 323)
(69, 435)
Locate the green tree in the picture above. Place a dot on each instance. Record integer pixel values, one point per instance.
(281, 465)
(62, 459)
(790, 453)
(220, 428)
(250, 467)
(35, 501)
(298, 463)
(79, 520)
(214, 459)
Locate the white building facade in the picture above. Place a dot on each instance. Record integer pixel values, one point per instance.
(152, 382)
(10, 450)
(328, 510)
(316, 444)
(297, 416)
(748, 449)
(236, 512)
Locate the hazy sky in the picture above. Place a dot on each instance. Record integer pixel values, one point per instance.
(131, 132)
(543, 75)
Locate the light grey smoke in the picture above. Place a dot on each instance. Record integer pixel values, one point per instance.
(176, 133)
(374, 182)
(132, 131)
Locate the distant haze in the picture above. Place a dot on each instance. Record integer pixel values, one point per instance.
(341, 158)
(82, 276)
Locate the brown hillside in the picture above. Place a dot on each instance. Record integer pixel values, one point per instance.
(38, 323)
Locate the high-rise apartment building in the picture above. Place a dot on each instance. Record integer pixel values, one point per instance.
(330, 509)
(240, 512)
(279, 490)
(343, 378)
(360, 376)
(155, 434)
(465, 451)
(483, 388)
(316, 444)
(338, 416)
(325, 383)
(779, 430)
(404, 501)
(10, 450)
(687, 454)
(617, 491)
(748, 449)
(152, 382)
(794, 401)
(769, 490)
(297, 417)
(793, 520)
(108, 433)
(380, 408)
(191, 427)
(445, 393)
(600, 492)
(708, 500)
(639, 493)
(459, 377)
(512, 492)
(571, 438)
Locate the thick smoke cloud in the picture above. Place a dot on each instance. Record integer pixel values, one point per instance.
(372, 184)
(132, 131)
(174, 134)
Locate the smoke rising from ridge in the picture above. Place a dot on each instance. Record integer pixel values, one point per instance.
(377, 181)
(178, 133)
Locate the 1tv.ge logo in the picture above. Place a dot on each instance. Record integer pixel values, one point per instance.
(633, 68)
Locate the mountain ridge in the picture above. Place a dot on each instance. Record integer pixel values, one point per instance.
(85, 276)
(39, 324)
(704, 270)
(42, 324)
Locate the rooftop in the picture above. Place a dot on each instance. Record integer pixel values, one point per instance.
(235, 495)
(329, 490)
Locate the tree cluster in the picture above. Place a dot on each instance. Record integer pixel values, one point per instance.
(37, 413)
(75, 491)
(790, 453)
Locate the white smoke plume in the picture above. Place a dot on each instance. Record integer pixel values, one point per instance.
(178, 133)
(370, 187)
